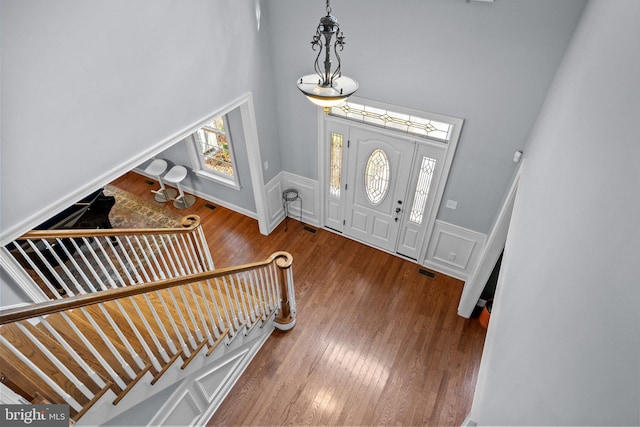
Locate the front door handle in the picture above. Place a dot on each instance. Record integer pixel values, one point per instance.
(398, 210)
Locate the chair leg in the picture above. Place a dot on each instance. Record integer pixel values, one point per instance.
(164, 194)
(183, 201)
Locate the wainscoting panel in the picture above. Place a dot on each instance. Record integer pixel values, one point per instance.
(184, 412)
(274, 202)
(309, 193)
(454, 250)
(199, 394)
(211, 382)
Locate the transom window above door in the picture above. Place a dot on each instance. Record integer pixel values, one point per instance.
(211, 152)
(393, 120)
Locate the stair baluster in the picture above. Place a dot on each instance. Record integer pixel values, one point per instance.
(135, 301)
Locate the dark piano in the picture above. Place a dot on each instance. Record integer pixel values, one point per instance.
(92, 212)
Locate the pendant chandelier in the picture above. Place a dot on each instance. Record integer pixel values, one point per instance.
(327, 88)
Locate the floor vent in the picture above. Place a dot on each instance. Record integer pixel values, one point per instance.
(310, 229)
(210, 206)
(429, 274)
(149, 182)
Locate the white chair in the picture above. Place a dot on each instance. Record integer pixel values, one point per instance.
(156, 168)
(175, 176)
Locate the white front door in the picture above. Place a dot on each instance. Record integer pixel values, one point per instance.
(383, 170)
(379, 167)
(381, 189)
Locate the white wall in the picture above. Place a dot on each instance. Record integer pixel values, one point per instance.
(91, 88)
(563, 346)
(488, 63)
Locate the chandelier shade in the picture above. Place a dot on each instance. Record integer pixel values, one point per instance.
(327, 87)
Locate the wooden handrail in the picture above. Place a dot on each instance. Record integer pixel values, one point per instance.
(283, 260)
(189, 223)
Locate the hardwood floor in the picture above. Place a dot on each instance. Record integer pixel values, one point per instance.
(375, 342)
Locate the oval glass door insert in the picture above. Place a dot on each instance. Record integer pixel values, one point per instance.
(376, 176)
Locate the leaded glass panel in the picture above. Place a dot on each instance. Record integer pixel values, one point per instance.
(400, 122)
(421, 195)
(335, 165)
(376, 176)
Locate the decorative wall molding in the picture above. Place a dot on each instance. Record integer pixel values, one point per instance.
(446, 239)
(309, 192)
(187, 396)
(454, 250)
(182, 410)
(201, 393)
(275, 213)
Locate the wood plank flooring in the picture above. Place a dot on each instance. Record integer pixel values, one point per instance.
(375, 342)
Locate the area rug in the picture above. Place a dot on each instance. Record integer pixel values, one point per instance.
(131, 211)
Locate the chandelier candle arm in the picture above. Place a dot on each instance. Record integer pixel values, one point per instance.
(327, 88)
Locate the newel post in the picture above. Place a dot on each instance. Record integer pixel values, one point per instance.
(286, 318)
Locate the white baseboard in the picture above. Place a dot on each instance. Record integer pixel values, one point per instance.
(208, 198)
(223, 203)
(468, 422)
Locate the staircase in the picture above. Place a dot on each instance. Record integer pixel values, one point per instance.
(140, 328)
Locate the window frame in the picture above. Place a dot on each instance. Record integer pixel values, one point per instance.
(198, 161)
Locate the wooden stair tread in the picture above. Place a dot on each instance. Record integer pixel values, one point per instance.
(34, 388)
(62, 327)
(170, 327)
(19, 373)
(58, 350)
(143, 306)
(119, 318)
(182, 313)
(15, 336)
(79, 318)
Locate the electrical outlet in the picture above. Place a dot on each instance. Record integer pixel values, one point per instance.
(451, 204)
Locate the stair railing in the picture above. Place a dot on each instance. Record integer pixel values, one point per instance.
(74, 350)
(72, 262)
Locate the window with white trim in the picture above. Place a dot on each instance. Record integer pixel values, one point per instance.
(212, 152)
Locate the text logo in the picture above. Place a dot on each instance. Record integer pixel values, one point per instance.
(34, 415)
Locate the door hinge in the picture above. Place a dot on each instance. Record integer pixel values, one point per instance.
(348, 143)
(344, 222)
(345, 187)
